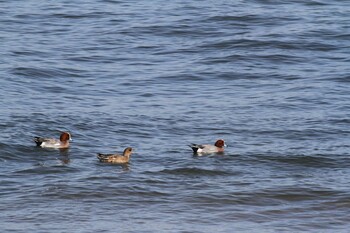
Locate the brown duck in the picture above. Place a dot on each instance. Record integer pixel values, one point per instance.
(116, 158)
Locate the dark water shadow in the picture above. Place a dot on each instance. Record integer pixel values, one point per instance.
(124, 166)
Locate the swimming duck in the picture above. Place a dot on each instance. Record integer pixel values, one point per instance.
(62, 143)
(206, 148)
(116, 158)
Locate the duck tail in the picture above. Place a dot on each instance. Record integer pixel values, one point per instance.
(194, 147)
(101, 157)
(38, 141)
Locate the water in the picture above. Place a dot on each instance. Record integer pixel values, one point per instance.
(270, 77)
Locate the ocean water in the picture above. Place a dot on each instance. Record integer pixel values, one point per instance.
(270, 77)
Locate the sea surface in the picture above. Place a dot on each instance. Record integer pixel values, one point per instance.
(272, 78)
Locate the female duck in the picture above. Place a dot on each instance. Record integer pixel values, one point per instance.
(116, 158)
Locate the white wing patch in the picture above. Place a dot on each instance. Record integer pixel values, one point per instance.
(51, 144)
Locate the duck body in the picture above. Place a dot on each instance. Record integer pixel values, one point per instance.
(61, 143)
(116, 158)
(218, 147)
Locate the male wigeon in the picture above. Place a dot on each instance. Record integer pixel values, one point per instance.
(62, 143)
(116, 158)
(207, 149)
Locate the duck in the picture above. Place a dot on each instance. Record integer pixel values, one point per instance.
(61, 143)
(116, 158)
(218, 147)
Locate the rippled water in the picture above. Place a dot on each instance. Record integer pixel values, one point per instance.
(270, 77)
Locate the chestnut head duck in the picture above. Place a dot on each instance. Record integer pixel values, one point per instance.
(218, 147)
(61, 143)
